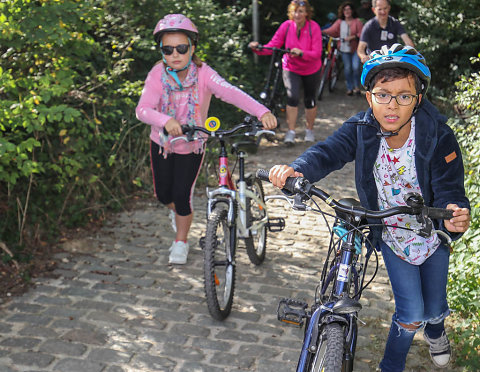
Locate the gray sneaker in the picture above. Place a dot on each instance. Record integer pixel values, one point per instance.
(309, 136)
(290, 137)
(440, 351)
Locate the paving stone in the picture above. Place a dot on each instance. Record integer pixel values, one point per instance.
(86, 337)
(62, 347)
(78, 365)
(32, 359)
(109, 356)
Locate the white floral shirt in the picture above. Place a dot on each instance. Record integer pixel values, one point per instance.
(395, 176)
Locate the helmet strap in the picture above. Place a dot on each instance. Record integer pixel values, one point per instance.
(381, 133)
(173, 71)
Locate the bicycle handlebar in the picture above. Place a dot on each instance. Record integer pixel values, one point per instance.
(253, 124)
(275, 49)
(415, 205)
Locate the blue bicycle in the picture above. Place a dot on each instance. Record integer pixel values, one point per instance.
(331, 322)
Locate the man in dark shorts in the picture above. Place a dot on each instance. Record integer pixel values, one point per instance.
(381, 30)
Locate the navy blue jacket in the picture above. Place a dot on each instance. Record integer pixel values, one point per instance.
(438, 160)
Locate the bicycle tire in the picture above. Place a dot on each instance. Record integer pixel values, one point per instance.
(323, 80)
(333, 76)
(256, 245)
(330, 349)
(219, 264)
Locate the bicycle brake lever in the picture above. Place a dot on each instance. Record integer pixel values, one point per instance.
(298, 203)
(427, 224)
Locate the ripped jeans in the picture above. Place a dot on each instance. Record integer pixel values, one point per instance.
(420, 302)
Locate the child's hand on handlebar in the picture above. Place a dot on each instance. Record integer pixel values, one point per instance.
(173, 127)
(460, 221)
(269, 120)
(279, 174)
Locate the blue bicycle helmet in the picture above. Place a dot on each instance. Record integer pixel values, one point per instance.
(396, 56)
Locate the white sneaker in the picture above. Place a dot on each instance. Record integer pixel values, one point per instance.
(178, 253)
(439, 350)
(289, 137)
(171, 215)
(309, 136)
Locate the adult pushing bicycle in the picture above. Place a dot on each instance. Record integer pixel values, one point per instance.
(302, 37)
(236, 210)
(330, 322)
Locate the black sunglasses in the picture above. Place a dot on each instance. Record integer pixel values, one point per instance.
(181, 48)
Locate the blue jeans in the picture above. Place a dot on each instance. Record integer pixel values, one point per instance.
(351, 68)
(420, 297)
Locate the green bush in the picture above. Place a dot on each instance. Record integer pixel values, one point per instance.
(71, 74)
(464, 280)
(447, 33)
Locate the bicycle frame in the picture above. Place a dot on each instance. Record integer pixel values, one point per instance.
(344, 274)
(334, 316)
(228, 193)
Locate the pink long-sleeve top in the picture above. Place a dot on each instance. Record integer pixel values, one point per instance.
(209, 82)
(356, 27)
(309, 42)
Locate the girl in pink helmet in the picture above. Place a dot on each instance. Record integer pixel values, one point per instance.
(178, 91)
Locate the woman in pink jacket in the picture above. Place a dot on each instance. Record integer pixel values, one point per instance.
(301, 66)
(178, 91)
(348, 27)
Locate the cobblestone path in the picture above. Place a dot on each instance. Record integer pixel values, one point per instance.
(114, 304)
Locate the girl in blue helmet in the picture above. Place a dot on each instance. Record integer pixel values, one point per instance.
(400, 144)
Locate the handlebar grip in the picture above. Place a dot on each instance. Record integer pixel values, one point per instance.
(185, 129)
(262, 174)
(290, 184)
(440, 213)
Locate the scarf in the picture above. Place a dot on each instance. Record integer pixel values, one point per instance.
(170, 103)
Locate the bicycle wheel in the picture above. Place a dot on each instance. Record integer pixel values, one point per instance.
(329, 355)
(323, 80)
(219, 264)
(256, 243)
(333, 76)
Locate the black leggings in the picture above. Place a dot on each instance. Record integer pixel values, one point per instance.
(174, 178)
(293, 82)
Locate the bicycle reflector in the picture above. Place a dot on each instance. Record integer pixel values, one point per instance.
(212, 124)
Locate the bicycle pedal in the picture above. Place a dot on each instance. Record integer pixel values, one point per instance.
(292, 311)
(202, 242)
(276, 224)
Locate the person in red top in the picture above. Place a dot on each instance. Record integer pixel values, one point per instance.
(349, 28)
(301, 66)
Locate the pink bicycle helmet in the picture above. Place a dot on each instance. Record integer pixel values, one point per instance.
(175, 23)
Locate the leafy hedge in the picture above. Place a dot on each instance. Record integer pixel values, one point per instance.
(70, 77)
(447, 34)
(464, 281)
